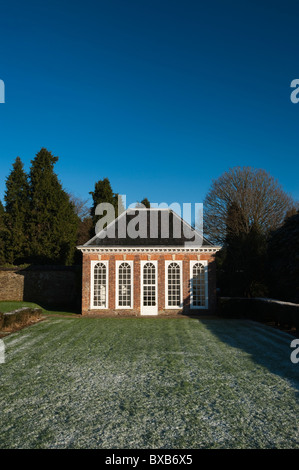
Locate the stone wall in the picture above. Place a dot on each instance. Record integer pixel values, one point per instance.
(53, 286)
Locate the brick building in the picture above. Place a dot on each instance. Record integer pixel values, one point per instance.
(148, 262)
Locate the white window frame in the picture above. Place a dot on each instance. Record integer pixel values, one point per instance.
(206, 266)
(117, 265)
(92, 266)
(167, 263)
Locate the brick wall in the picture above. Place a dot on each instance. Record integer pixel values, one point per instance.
(161, 258)
(11, 285)
(45, 285)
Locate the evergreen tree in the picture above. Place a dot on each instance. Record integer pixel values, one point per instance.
(241, 262)
(53, 223)
(3, 232)
(283, 261)
(16, 213)
(118, 204)
(145, 202)
(103, 193)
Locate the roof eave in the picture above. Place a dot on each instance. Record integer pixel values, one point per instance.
(131, 248)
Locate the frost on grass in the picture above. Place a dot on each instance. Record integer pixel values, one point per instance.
(135, 383)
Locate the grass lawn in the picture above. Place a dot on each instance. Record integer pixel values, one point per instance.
(148, 383)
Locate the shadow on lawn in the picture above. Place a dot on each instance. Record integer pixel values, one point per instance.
(267, 346)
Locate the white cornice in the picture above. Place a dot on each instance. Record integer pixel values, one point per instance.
(144, 249)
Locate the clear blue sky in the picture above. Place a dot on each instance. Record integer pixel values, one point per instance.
(159, 96)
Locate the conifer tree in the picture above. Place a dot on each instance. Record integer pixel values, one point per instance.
(16, 213)
(103, 193)
(144, 203)
(283, 261)
(118, 204)
(2, 234)
(241, 262)
(53, 222)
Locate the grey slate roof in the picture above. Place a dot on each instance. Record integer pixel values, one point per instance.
(152, 225)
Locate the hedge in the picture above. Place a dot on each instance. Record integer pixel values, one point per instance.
(260, 309)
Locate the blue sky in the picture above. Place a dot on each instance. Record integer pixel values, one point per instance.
(159, 96)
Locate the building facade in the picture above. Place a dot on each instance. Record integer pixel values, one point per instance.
(162, 275)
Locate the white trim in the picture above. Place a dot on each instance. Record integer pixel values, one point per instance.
(206, 267)
(167, 263)
(147, 249)
(151, 310)
(93, 263)
(117, 265)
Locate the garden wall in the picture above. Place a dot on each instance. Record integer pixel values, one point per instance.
(53, 286)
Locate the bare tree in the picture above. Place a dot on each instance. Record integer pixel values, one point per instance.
(81, 206)
(254, 193)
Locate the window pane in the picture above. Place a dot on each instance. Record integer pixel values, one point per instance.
(149, 285)
(198, 285)
(100, 282)
(124, 285)
(174, 285)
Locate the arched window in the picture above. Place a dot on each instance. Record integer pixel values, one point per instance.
(100, 285)
(149, 285)
(199, 286)
(173, 285)
(124, 285)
